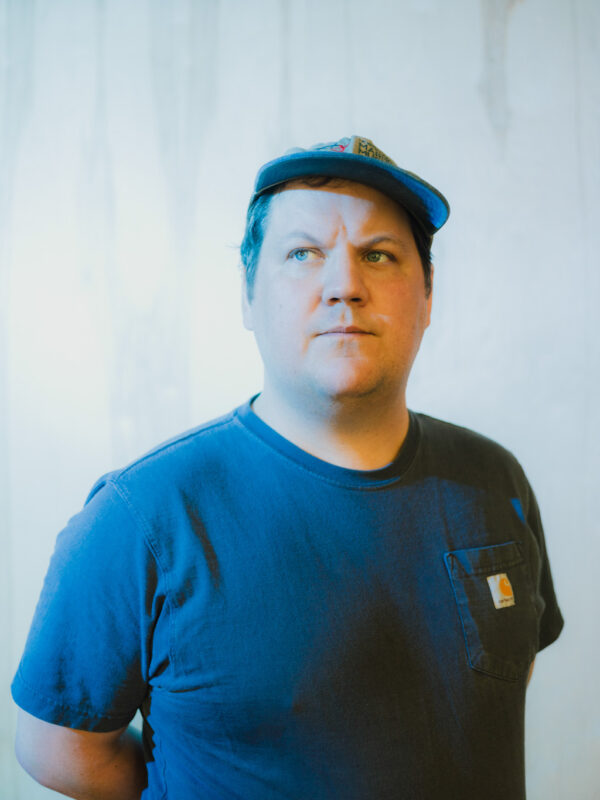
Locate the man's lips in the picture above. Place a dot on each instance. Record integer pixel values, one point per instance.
(349, 330)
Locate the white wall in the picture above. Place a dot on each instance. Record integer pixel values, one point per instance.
(130, 134)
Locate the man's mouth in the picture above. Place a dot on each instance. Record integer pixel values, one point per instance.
(346, 330)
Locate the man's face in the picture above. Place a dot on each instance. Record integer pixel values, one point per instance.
(339, 305)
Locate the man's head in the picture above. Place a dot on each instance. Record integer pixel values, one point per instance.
(338, 278)
(355, 159)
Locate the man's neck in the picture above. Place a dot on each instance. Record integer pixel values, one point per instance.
(357, 435)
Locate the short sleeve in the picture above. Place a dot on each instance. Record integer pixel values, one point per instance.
(86, 659)
(551, 622)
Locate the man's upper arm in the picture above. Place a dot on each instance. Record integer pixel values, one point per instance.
(51, 752)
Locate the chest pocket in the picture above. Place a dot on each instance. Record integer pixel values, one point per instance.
(498, 606)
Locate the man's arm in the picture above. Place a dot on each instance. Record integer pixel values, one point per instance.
(530, 671)
(80, 764)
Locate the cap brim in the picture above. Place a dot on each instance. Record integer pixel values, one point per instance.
(422, 200)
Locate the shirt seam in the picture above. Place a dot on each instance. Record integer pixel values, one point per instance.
(174, 443)
(142, 524)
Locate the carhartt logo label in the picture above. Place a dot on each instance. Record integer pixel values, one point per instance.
(502, 591)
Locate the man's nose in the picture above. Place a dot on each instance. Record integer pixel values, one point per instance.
(343, 281)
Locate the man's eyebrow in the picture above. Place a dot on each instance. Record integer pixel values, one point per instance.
(387, 237)
(300, 235)
(383, 237)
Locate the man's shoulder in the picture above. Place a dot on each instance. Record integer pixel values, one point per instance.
(452, 432)
(177, 460)
(465, 449)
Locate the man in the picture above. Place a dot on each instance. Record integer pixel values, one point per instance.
(321, 595)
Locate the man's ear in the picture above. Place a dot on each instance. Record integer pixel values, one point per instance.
(246, 304)
(429, 298)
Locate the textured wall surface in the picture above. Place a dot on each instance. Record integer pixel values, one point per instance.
(130, 134)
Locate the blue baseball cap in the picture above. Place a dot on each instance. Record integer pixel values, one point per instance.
(357, 159)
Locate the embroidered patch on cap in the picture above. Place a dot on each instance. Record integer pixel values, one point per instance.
(502, 591)
(358, 145)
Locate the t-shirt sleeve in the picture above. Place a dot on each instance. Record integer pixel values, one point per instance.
(86, 660)
(551, 622)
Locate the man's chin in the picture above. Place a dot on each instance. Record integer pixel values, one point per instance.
(348, 391)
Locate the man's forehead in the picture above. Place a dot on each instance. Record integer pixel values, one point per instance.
(323, 204)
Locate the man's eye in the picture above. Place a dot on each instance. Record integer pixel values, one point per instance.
(302, 254)
(377, 257)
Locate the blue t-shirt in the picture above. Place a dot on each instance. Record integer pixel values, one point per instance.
(294, 629)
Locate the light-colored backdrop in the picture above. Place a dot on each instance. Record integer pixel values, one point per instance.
(130, 133)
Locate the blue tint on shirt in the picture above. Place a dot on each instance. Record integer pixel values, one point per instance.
(289, 628)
